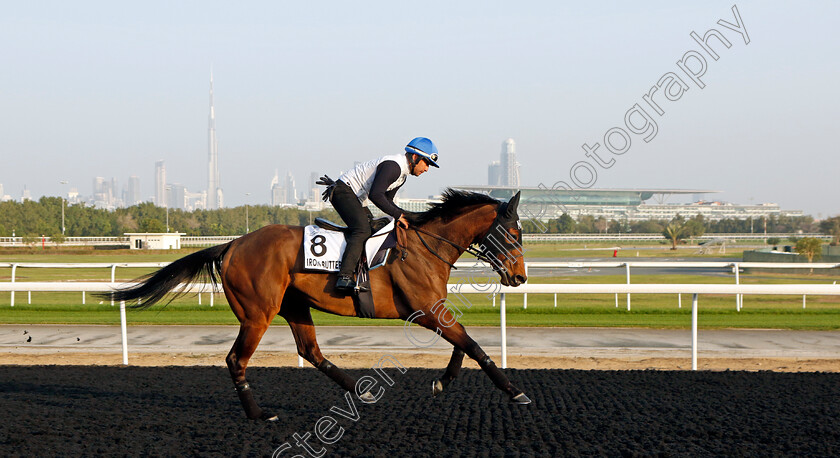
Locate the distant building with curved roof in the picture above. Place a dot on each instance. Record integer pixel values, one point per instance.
(624, 204)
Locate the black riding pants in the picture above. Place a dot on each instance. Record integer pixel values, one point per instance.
(354, 215)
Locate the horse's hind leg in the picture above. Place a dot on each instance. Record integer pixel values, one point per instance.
(300, 320)
(250, 333)
(452, 370)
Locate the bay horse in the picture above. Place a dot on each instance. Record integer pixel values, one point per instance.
(263, 275)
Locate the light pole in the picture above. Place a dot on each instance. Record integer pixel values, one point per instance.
(62, 208)
(247, 227)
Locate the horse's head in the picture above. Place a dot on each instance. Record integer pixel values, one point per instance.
(469, 218)
(501, 245)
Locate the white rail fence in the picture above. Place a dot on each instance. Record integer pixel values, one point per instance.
(468, 288)
(629, 236)
(734, 267)
(209, 240)
(82, 265)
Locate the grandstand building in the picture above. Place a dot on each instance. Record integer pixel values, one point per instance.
(625, 204)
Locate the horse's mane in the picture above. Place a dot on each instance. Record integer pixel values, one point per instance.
(453, 202)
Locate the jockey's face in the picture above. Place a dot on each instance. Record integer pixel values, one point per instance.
(420, 165)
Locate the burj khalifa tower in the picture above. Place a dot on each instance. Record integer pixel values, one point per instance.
(214, 189)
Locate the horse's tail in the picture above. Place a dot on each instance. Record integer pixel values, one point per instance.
(154, 286)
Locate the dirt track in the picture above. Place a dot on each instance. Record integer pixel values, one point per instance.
(87, 411)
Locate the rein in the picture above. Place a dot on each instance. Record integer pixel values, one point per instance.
(481, 256)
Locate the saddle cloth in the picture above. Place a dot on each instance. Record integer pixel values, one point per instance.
(323, 249)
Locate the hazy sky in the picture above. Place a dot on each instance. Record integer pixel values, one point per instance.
(107, 88)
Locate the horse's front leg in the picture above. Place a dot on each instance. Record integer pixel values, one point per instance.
(452, 370)
(457, 336)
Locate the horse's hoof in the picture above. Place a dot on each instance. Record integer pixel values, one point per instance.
(520, 399)
(437, 387)
(269, 417)
(367, 398)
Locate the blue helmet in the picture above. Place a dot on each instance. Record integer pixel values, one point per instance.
(424, 147)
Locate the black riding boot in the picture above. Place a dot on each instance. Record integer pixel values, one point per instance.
(351, 211)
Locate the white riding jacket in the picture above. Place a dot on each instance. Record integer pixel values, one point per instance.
(360, 178)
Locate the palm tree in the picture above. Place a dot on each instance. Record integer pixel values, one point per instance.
(674, 232)
(810, 247)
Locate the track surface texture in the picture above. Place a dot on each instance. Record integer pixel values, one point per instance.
(194, 411)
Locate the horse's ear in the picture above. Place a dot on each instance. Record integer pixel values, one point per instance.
(510, 208)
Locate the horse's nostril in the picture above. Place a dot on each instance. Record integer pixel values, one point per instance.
(520, 278)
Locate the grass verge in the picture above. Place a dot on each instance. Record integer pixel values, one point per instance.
(597, 310)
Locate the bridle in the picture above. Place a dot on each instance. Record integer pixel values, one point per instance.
(489, 247)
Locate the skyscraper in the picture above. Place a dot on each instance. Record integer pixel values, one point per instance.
(509, 166)
(505, 172)
(494, 174)
(278, 193)
(113, 200)
(133, 194)
(291, 189)
(314, 190)
(100, 192)
(214, 189)
(177, 196)
(160, 184)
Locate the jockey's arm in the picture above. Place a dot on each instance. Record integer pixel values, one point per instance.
(386, 174)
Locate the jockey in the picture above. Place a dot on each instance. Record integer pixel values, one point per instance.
(378, 181)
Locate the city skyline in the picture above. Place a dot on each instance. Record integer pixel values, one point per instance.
(106, 90)
(503, 173)
(285, 193)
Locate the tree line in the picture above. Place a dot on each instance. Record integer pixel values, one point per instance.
(679, 229)
(696, 226)
(43, 217)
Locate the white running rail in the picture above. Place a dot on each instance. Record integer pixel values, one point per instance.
(468, 288)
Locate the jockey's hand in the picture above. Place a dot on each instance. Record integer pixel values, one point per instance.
(402, 222)
(325, 181)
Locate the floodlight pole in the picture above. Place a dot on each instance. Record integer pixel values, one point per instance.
(247, 227)
(62, 210)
